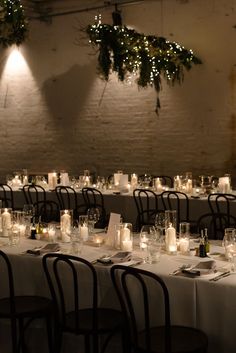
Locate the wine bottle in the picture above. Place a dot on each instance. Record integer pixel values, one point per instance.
(207, 243)
(202, 252)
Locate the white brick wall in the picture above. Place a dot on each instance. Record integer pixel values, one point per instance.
(53, 115)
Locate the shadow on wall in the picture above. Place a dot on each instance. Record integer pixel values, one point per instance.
(66, 94)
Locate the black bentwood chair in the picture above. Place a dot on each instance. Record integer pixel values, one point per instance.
(74, 289)
(6, 195)
(47, 211)
(146, 202)
(22, 310)
(34, 193)
(93, 198)
(68, 200)
(215, 223)
(149, 315)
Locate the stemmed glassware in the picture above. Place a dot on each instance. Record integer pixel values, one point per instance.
(76, 240)
(148, 234)
(93, 214)
(160, 224)
(28, 214)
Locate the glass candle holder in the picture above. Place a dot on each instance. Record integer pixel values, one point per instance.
(171, 218)
(83, 227)
(6, 221)
(184, 234)
(66, 221)
(126, 237)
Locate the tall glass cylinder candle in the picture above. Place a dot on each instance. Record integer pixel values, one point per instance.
(184, 234)
(66, 222)
(83, 227)
(126, 237)
(6, 221)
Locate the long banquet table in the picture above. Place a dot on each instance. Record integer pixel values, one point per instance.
(197, 302)
(124, 204)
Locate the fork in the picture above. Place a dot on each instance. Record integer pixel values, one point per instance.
(182, 267)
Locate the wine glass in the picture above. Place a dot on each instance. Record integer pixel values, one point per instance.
(160, 224)
(93, 214)
(229, 243)
(28, 214)
(76, 240)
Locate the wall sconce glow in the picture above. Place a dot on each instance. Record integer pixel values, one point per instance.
(16, 63)
(17, 82)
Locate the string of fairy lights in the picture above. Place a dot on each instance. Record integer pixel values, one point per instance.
(13, 24)
(147, 57)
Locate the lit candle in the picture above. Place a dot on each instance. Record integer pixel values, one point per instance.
(189, 186)
(143, 242)
(84, 233)
(97, 239)
(127, 245)
(22, 228)
(184, 245)
(171, 245)
(134, 181)
(65, 222)
(158, 185)
(52, 180)
(124, 234)
(6, 222)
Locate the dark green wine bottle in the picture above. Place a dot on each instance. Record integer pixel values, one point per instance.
(207, 243)
(202, 252)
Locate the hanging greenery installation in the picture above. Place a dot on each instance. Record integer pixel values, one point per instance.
(13, 25)
(126, 52)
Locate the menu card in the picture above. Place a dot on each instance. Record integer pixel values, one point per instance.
(114, 220)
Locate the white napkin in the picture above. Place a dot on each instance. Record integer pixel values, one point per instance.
(205, 267)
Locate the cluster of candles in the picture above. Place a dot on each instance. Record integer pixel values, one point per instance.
(183, 243)
(12, 225)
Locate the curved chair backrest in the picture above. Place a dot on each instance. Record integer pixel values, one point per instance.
(221, 203)
(179, 201)
(67, 198)
(93, 198)
(216, 224)
(69, 282)
(6, 195)
(134, 288)
(47, 211)
(146, 202)
(34, 193)
(6, 268)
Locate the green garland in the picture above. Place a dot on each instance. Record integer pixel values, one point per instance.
(126, 52)
(13, 26)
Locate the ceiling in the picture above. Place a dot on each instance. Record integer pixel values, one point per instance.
(46, 9)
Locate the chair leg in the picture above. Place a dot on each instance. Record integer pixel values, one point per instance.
(51, 340)
(22, 344)
(15, 346)
(87, 343)
(95, 343)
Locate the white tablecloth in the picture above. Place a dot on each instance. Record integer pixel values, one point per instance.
(197, 302)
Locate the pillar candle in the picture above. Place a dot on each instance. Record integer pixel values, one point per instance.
(171, 245)
(6, 222)
(65, 222)
(84, 233)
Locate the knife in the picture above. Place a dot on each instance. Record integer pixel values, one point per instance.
(222, 275)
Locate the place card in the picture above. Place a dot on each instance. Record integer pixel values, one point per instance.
(114, 221)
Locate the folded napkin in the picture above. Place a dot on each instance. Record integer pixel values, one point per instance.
(51, 247)
(205, 267)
